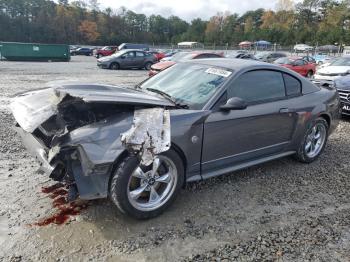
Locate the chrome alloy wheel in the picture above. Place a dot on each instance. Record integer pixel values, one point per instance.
(315, 140)
(151, 187)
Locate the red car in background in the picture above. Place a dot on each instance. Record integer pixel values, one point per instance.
(157, 54)
(105, 51)
(297, 64)
(181, 57)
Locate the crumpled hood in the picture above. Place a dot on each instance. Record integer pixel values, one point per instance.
(334, 70)
(35, 107)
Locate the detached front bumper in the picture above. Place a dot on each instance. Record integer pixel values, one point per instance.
(84, 157)
(90, 180)
(37, 149)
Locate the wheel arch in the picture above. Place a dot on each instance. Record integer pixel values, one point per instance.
(125, 154)
(181, 154)
(326, 117)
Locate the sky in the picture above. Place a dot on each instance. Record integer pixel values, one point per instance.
(189, 9)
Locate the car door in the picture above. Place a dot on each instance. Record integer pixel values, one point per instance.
(140, 59)
(128, 59)
(264, 128)
(299, 67)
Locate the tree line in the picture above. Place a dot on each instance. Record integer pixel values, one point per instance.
(85, 22)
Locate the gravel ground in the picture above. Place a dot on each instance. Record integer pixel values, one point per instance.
(278, 211)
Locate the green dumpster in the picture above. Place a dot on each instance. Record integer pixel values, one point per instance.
(34, 52)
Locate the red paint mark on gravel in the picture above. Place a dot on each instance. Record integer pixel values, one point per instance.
(52, 188)
(58, 192)
(65, 210)
(64, 213)
(59, 201)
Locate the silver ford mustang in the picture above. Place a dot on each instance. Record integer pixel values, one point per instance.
(138, 146)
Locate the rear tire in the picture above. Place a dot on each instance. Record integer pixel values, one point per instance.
(114, 66)
(312, 147)
(148, 65)
(128, 179)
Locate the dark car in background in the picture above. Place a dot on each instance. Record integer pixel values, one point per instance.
(82, 51)
(143, 47)
(342, 84)
(105, 51)
(127, 59)
(182, 57)
(269, 57)
(241, 55)
(298, 64)
(196, 120)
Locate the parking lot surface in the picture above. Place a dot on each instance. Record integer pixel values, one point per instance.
(278, 211)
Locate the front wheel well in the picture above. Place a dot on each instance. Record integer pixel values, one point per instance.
(178, 150)
(125, 154)
(327, 118)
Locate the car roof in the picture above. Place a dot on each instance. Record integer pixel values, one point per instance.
(130, 50)
(295, 57)
(231, 63)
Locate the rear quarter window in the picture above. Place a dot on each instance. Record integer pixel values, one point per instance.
(293, 85)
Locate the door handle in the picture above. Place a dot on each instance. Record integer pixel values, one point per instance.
(284, 110)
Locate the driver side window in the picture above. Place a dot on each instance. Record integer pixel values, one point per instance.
(258, 86)
(129, 54)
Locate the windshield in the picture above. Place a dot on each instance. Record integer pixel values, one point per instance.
(189, 84)
(343, 61)
(284, 61)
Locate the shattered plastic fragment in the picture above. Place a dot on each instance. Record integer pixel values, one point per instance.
(149, 134)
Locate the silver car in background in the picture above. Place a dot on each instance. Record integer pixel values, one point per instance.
(127, 59)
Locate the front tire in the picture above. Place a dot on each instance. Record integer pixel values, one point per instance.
(314, 141)
(145, 192)
(114, 66)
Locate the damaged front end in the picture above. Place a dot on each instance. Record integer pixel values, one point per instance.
(75, 132)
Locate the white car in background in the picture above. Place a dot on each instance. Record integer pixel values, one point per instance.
(302, 48)
(338, 68)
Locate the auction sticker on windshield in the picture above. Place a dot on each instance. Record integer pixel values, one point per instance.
(219, 72)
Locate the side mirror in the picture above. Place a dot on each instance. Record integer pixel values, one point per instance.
(122, 57)
(234, 103)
